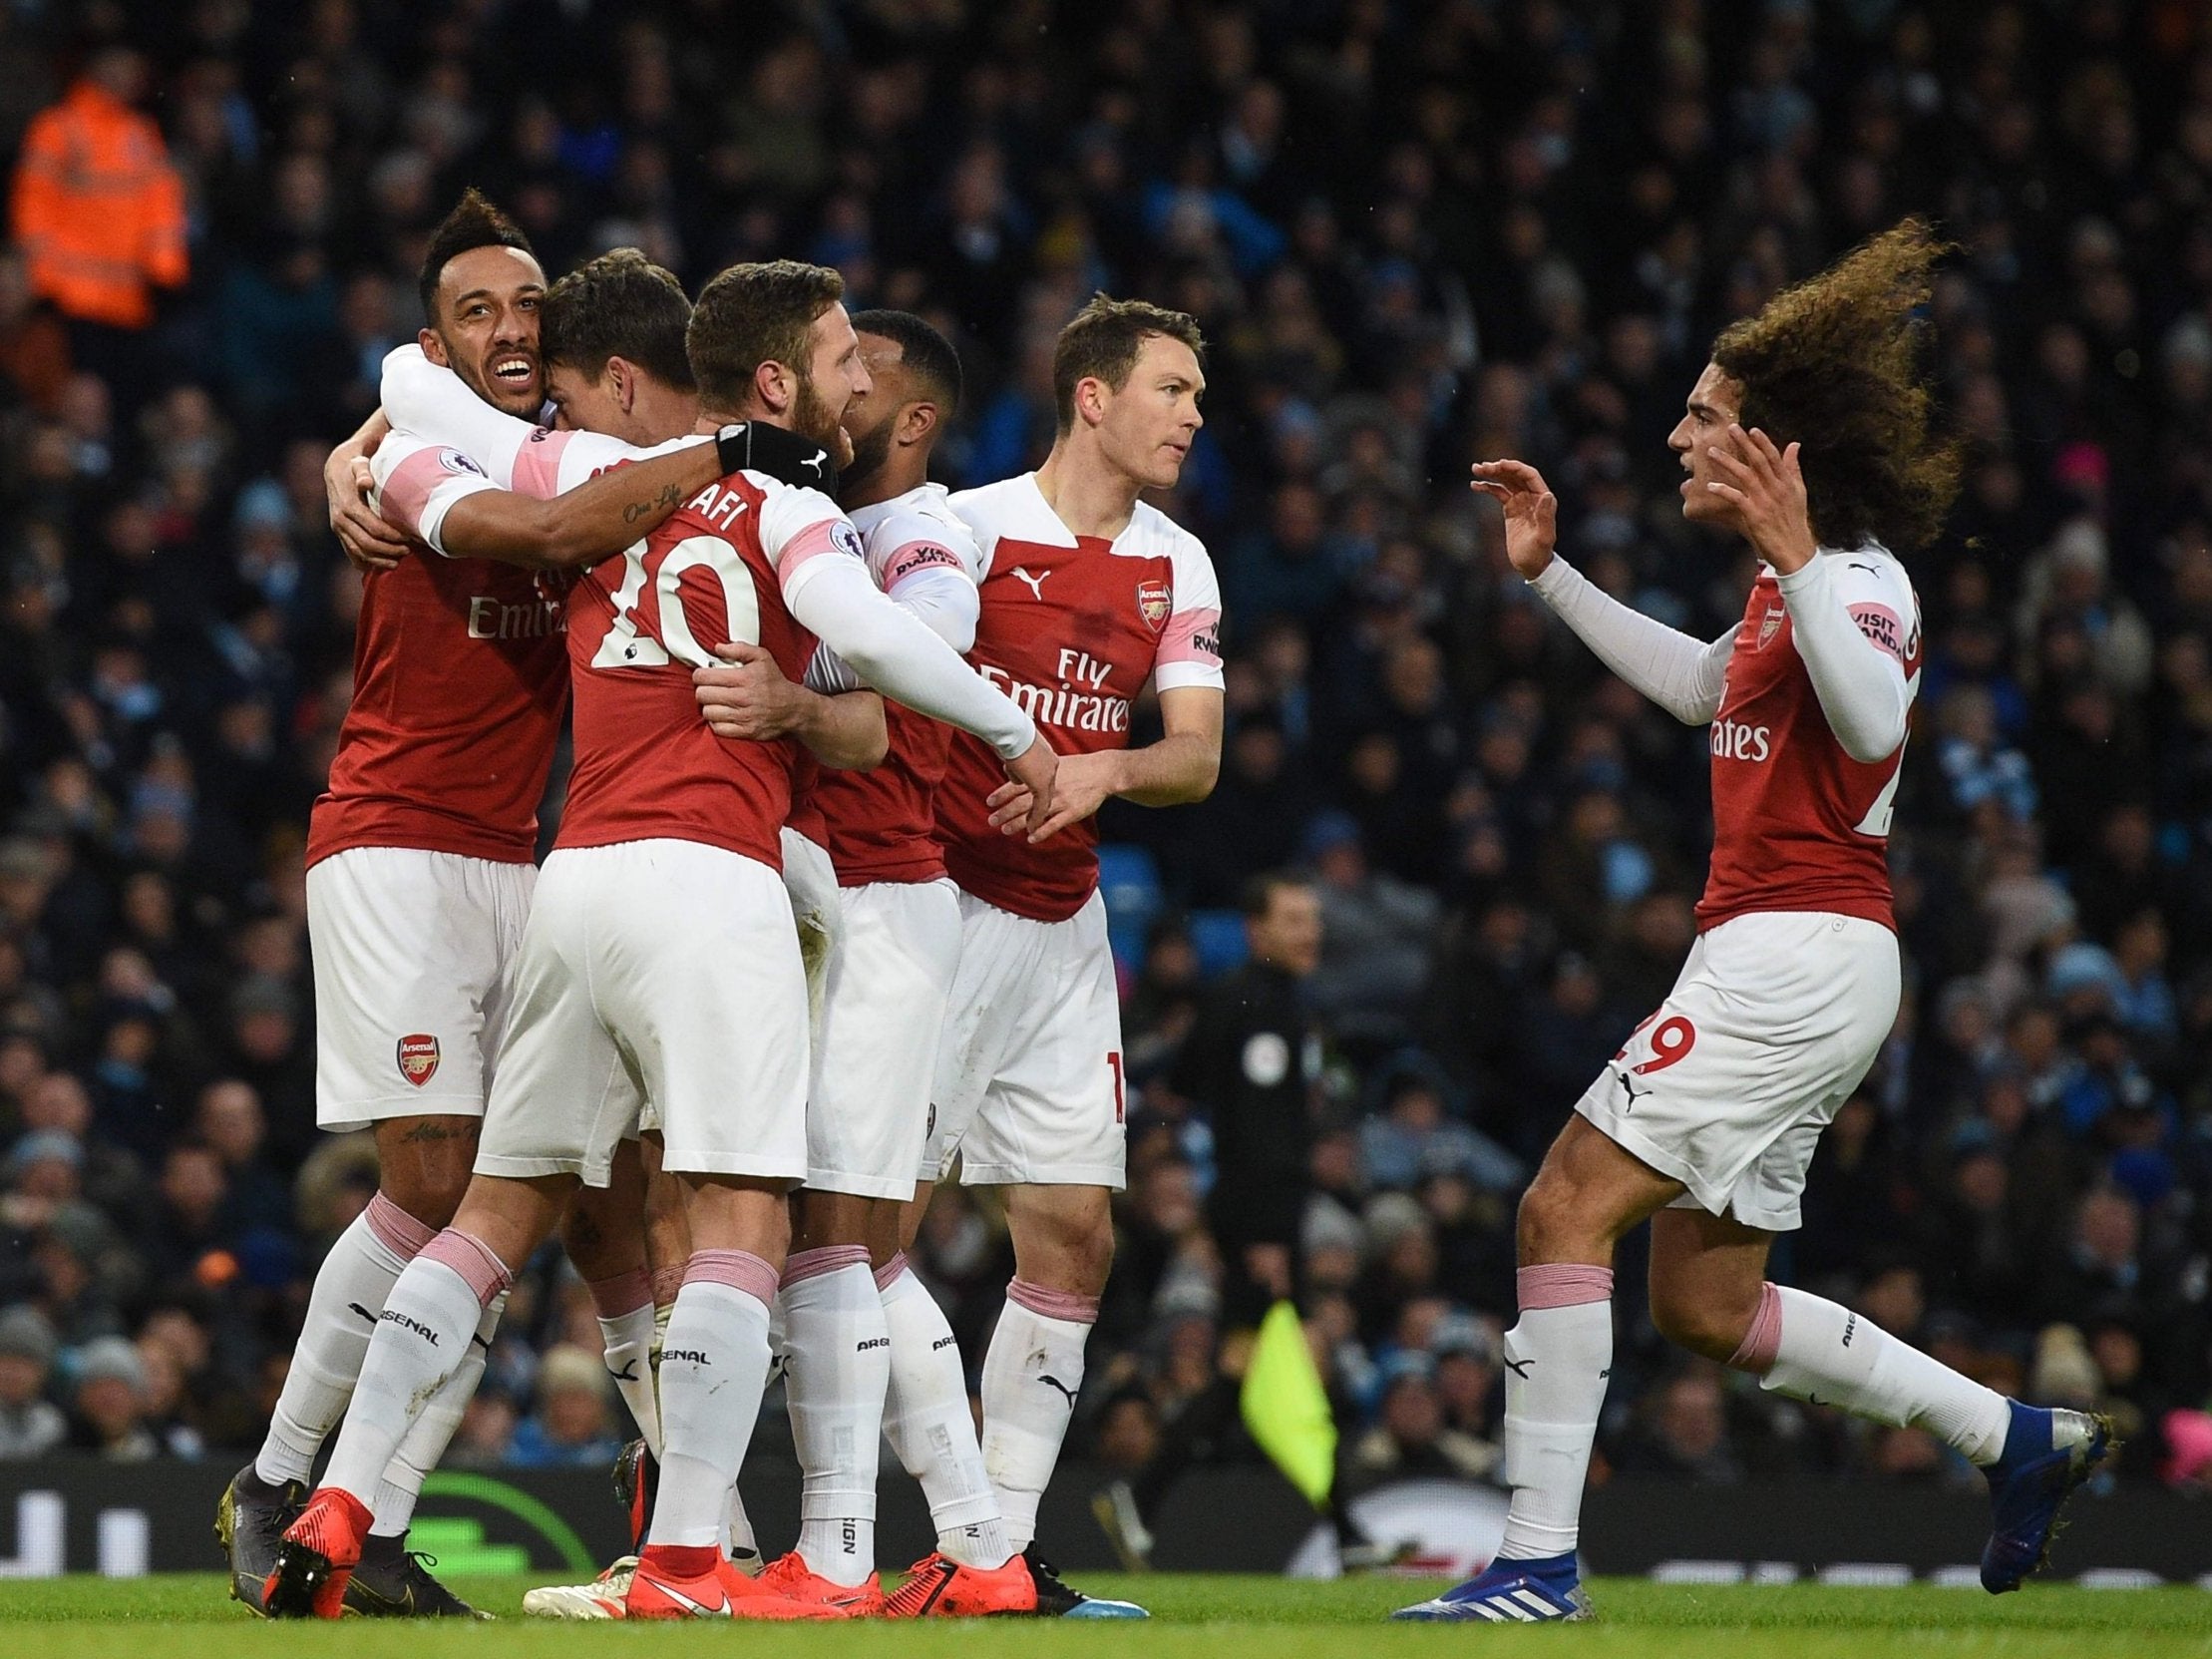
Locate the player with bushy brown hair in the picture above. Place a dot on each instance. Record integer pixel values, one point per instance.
(1811, 434)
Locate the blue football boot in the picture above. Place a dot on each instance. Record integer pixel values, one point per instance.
(2048, 1455)
(1510, 1592)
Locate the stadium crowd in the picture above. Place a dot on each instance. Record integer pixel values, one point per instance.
(1416, 234)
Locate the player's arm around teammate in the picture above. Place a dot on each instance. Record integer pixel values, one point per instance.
(752, 702)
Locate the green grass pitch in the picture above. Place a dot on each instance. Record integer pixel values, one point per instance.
(185, 1616)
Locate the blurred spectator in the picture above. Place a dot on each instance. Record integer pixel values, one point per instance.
(572, 1424)
(1411, 1437)
(111, 1402)
(29, 1423)
(1683, 1432)
(1376, 931)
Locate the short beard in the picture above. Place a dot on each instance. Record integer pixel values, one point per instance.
(813, 418)
(869, 454)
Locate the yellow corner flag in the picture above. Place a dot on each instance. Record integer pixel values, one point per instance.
(1286, 1409)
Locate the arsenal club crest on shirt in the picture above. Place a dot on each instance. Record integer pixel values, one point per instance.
(1153, 602)
(1769, 625)
(418, 1057)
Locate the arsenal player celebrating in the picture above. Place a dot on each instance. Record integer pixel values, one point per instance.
(660, 961)
(1086, 593)
(1707, 1118)
(871, 1353)
(420, 875)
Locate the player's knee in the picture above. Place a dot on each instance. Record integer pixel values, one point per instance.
(431, 1196)
(1700, 1323)
(1064, 1241)
(1546, 1225)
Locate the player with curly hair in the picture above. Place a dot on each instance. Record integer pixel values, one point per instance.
(1810, 435)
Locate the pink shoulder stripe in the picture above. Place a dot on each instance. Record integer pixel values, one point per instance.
(407, 490)
(1193, 637)
(811, 542)
(537, 464)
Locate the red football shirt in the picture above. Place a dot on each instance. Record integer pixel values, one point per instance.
(647, 766)
(1797, 823)
(1072, 629)
(460, 677)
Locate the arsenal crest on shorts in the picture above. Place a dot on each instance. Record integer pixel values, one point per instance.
(418, 1057)
(1153, 602)
(1769, 625)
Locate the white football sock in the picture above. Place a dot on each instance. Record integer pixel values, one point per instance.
(926, 1420)
(350, 1288)
(422, 1337)
(627, 1333)
(1032, 1373)
(738, 1541)
(837, 1362)
(713, 1367)
(431, 1433)
(1557, 1358)
(1829, 1356)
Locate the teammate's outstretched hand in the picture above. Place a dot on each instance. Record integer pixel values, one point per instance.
(1531, 512)
(1766, 488)
(369, 543)
(1028, 795)
(750, 699)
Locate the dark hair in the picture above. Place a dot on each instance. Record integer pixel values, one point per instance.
(923, 351)
(620, 304)
(472, 223)
(1258, 895)
(1102, 342)
(754, 314)
(1830, 364)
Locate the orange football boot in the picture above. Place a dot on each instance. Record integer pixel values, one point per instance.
(315, 1557)
(938, 1587)
(791, 1576)
(664, 1588)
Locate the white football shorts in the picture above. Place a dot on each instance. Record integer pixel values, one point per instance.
(414, 956)
(816, 904)
(875, 1046)
(1029, 1082)
(664, 970)
(1777, 1018)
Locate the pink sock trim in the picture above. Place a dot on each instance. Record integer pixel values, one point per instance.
(1048, 1303)
(827, 1258)
(887, 1274)
(395, 1229)
(738, 1269)
(624, 1293)
(1564, 1285)
(1762, 1343)
(472, 1259)
(666, 1282)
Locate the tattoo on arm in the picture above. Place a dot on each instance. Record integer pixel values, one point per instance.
(667, 495)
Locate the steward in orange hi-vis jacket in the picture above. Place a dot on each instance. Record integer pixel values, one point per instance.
(99, 209)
